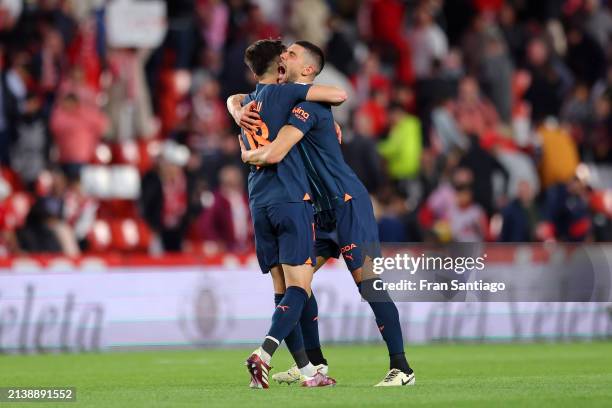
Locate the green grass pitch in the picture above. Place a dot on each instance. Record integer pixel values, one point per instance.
(502, 375)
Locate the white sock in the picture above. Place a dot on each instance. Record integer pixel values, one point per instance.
(264, 356)
(308, 370)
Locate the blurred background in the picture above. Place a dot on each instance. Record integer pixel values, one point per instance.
(467, 120)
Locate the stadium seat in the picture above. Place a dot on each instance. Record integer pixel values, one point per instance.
(100, 236)
(127, 152)
(17, 210)
(109, 182)
(117, 208)
(103, 155)
(130, 235)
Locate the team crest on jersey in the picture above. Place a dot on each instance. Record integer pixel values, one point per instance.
(301, 114)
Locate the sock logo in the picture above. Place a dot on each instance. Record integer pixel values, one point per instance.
(283, 308)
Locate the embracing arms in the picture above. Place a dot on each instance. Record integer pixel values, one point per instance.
(274, 152)
(245, 117)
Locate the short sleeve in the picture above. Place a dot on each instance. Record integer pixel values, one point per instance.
(303, 117)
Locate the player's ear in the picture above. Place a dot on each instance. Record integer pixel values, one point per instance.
(308, 70)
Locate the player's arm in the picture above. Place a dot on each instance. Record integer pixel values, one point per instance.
(326, 93)
(244, 116)
(274, 152)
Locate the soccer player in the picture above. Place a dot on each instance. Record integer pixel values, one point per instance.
(282, 215)
(356, 235)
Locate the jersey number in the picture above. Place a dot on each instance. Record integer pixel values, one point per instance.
(258, 136)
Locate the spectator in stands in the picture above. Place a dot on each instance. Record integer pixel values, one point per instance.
(468, 221)
(598, 21)
(496, 72)
(545, 90)
(486, 166)
(129, 102)
(384, 28)
(213, 160)
(359, 150)
(566, 212)
(451, 213)
(262, 28)
(164, 199)
(474, 113)
(521, 216)
(54, 61)
(369, 78)
(392, 221)
(28, 153)
(518, 164)
(601, 147)
(446, 134)
(577, 113)
(428, 42)
(75, 83)
(37, 235)
(77, 129)
(473, 40)
(45, 232)
(402, 148)
(559, 156)
(79, 211)
(50, 62)
(513, 31)
(437, 187)
(585, 57)
(210, 119)
(213, 15)
(309, 21)
(376, 108)
(8, 242)
(12, 93)
(225, 219)
(340, 49)
(182, 35)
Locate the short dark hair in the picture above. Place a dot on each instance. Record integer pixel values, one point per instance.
(259, 55)
(315, 52)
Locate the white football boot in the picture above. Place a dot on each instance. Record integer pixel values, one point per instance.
(396, 378)
(293, 375)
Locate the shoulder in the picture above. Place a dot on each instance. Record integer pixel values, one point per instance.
(291, 85)
(287, 87)
(306, 111)
(315, 108)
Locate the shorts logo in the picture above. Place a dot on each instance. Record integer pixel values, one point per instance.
(301, 114)
(347, 248)
(381, 328)
(283, 308)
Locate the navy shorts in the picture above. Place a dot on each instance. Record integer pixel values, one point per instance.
(356, 234)
(284, 234)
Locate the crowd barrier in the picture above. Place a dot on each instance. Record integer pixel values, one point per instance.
(55, 304)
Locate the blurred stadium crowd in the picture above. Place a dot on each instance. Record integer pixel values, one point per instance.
(467, 120)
